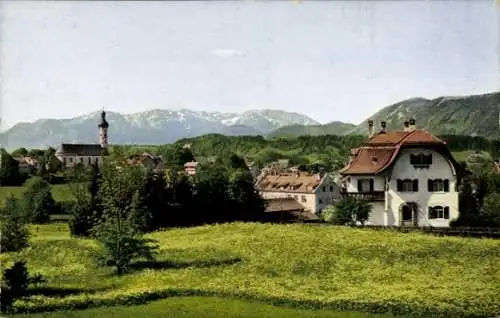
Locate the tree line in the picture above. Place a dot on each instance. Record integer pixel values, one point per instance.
(314, 153)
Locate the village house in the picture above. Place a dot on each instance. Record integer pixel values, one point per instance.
(408, 175)
(85, 154)
(147, 160)
(311, 191)
(191, 167)
(27, 164)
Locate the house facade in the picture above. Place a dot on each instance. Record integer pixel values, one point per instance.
(85, 154)
(409, 176)
(313, 192)
(147, 160)
(191, 167)
(27, 164)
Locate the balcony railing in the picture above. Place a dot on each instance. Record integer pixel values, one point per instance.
(368, 196)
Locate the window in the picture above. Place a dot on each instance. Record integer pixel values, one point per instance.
(407, 185)
(439, 212)
(324, 189)
(96, 160)
(64, 160)
(303, 198)
(365, 185)
(296, 197)
(70, 160)
(320, 201)
(80, 159)
(89, 160)
(331, 188)
(421, 160)
(438, 185)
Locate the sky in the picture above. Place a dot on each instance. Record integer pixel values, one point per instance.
(335, 60)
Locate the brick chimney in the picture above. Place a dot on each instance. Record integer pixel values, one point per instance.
(383, 124)
(412, 123)
(371, 130)
(406, 126)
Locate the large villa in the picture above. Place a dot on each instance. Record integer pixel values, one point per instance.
(408, 175)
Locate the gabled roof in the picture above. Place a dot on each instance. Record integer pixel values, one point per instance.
(80, 150)
(395, 138)
(140, 159)
(289, 182)
(380, 150)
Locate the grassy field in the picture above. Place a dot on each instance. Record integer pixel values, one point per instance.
(60, 192)
(201, 307)
(306, 266)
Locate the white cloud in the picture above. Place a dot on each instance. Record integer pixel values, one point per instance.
(227, 52)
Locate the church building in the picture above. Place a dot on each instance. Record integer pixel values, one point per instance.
(85, 154)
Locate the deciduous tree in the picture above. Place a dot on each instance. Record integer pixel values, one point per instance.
(119, 228)
(37, 200)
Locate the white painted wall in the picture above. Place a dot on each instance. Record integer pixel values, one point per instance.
(314, 202)
(308, 200)
(378, 214)
(440, 169)
(388, 213)
(352, 183)
(71, 161)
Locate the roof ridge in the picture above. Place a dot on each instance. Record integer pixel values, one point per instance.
(394, 155)
(411, 133)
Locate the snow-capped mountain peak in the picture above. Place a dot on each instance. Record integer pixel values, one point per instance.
(155, 126)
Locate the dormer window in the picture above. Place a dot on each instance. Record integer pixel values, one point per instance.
(365, 185)
(421, 160)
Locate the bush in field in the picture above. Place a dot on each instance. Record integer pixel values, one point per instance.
(347, 211)
(37, 201)
(14, 234)
(490, 212)
(15, 283)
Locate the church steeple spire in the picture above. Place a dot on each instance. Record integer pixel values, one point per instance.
(103, 130)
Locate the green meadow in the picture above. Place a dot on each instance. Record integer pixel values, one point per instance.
(264, 270)
(60, 192)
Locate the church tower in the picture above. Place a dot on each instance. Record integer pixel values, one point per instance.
(103, 131)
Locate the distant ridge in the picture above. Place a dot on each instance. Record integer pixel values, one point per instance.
(157, 126)
(474, 115)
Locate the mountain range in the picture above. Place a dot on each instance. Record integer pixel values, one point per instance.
(476, 115)
(158, 126)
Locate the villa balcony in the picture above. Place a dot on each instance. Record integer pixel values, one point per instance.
(368, 196)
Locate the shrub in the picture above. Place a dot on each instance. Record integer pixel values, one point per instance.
(37, 201)
(15, 283)
(13, 227)
(348, 211)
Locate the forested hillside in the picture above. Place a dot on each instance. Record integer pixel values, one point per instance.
(475, 115)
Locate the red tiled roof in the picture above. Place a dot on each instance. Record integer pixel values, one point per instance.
(298, 183)
(381, 150)
(394, 138)
(371, 160)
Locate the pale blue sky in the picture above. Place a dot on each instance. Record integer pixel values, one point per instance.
(329, 60)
